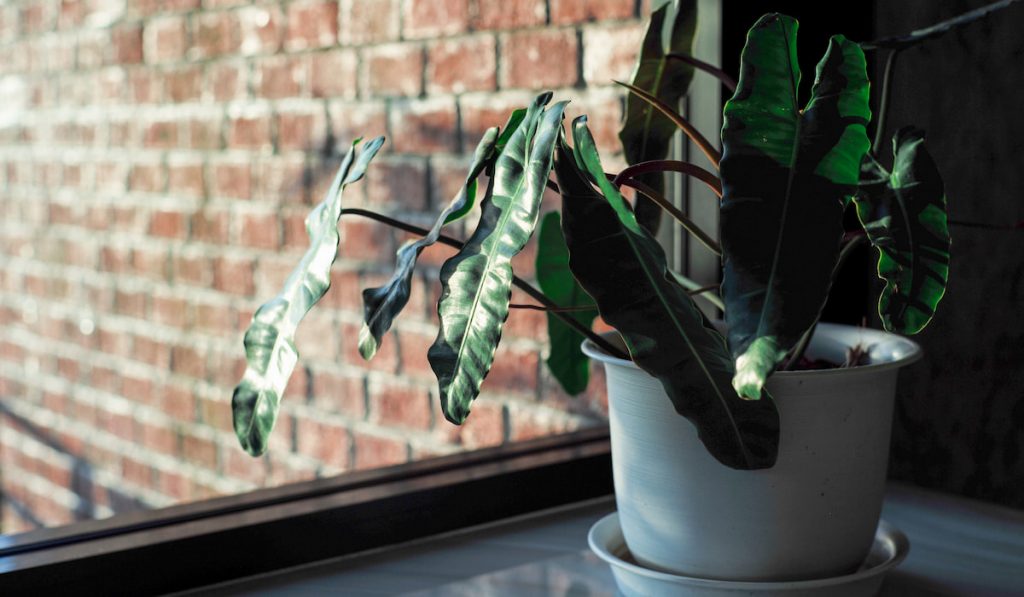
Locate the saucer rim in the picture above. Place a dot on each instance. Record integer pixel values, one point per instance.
(886, 532)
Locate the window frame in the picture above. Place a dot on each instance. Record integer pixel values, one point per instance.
(198, 544)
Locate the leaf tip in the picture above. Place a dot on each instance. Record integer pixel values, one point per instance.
(368, 344)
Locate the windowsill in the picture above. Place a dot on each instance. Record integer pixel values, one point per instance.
(958, 547)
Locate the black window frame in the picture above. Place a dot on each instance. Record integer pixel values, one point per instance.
(222, 539)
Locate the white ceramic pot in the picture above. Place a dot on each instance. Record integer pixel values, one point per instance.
(812, 515)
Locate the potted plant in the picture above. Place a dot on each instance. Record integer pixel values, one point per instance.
(723, 470)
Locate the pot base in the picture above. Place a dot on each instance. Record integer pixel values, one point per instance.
(889, 549)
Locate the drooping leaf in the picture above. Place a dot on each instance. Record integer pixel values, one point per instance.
(646, 133)
(382, 304)
(269, 342)
(786, 175)
(476, 282)
(904, 215)
(623, 267)
(510, 127)
(566, 361)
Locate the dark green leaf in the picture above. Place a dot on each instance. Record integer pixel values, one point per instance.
(904, 214)
(567, 362)
(646, 133)
(381, 305)
(476, 282)
(623, 267)
(269, 342)
(510, 127)
(786, 175)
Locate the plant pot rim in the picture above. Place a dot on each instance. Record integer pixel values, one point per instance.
(892, 351)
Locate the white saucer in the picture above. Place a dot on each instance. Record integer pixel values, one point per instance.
(605, 537)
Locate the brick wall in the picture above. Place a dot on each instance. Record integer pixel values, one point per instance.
(157, 159)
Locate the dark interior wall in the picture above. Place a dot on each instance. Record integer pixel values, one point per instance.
(960, 415)
(959, 423)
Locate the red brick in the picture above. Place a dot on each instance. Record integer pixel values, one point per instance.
(334, 74)
(134, 471)
(399, 406)
(199, 450)
(250, 131)
(161, 134)
(509, 14)
(158, 438)
(481, 112)
(513, 370)
(610, 52)
(260, 29)
(280, 179)
(127, 43)
(186, 179)
(458, 65)
(153, 352)
(210, 225)
(216, 319)
(394, 69)
(144, 86)
(373, 451)
(132, 304)
(424, 126)
(369, 21)
(311, 24)
(214, 34)
(565, 12)
(281, 76)
(168, 224)
(350, 121)
(225, 81)
(340, 394)
(485, 425)
(413, 353)
(329, 443)
(150, 178)
(301, 129)
(169, 310)
(423, 19)
(261, 231)
(215, 413)
(527, 63)
(204, 133)
(233, 275)
(231, 179)
(529, 422)
(187, 360)
(604, 118)
(396, 182)
(183, 84)
(165, 39)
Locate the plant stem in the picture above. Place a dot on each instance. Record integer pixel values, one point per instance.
(702, 143)
(516, 280)
(711, 69)
(900, 42)
(680, 217)
(805, 340)
(883, 102)
(671, 166)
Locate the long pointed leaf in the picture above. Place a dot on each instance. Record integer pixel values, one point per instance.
(623, 267)
(269, 342)
(476, 282)
(904, 214)
(646, 133)
(786, 175)
(382, 304)
(566, 361)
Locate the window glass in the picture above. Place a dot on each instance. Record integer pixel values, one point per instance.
(157, 160)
